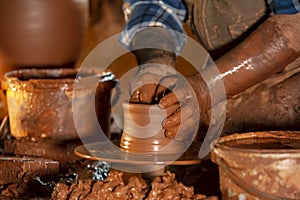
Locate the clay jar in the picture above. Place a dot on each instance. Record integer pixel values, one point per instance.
(47, 33)
(42, 103)
(143, 131)
(259, 165)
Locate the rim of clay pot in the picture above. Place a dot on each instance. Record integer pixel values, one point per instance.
(244, 156)
(253, 136)
(41, 79)
(244, 170)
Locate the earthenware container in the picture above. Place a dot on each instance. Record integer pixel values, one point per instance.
(48, 103)
(143, 131)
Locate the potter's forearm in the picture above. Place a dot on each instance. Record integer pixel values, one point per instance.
(154, 46)
(158, 56)
(266, 51)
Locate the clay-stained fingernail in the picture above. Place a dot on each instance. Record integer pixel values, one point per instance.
(166, 123)
(171, 122)
(169, 134)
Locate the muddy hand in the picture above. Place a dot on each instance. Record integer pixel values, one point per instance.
(178, 99)
(143, 86)
(145, 93)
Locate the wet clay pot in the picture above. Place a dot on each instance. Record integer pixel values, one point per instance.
(41, 33)
(43, 103)
(259, 165)
(143, 131)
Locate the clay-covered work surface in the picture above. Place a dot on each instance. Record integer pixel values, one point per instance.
(26, 176)
(114, 187)
(35, 178)
(61, 151)
(41, 179)
(39, 169)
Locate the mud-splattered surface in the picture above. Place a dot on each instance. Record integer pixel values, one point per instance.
(73, 176)
(114, 187)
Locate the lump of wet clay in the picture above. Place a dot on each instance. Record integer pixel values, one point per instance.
(23, 176)
(114, 187)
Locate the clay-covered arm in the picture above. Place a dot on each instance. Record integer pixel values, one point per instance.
(266, 51)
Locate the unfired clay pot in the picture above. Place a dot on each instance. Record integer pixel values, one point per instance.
(143, 131)
(42, 103)
(35, 33)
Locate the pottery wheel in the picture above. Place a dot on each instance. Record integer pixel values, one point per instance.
(110, 152)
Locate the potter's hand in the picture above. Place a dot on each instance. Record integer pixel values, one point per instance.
(182, 105)
(155, 54)
(144, 85)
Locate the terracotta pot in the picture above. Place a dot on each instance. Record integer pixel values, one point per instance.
(41, 103)
(143, 131)
(259, 165)
(41, 33)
